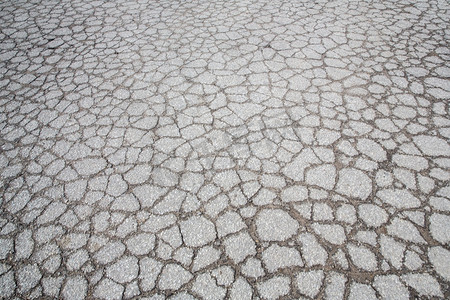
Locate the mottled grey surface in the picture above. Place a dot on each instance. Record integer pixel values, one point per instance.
(224, 149)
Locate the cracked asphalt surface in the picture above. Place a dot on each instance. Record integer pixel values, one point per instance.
(224, 149)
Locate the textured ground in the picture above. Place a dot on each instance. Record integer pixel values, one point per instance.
(224, 149)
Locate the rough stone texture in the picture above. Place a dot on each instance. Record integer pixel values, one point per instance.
(173, 277)
(334, 234)
(424, 284)
(335, 288)
(224, 149)
(75, 288)
(274, 288)
(437, 224)
(253, 268)
(323, 176)
(205, 256)
(362, 257)
(312, 251)
(398, 198)
(197, 231)
(361, 291)
(392, 250)
(439, 258)
(206, 287)
(354, 183)
(372, 215)
(141, 244)
(432, 145)
(108, 289)
(389, 286)
(28, 277)
(405, 230)
(124, 270)
(241, 290)
(309, 283)
(229, 222)
(276, 257)
(275, 225)
(239, 246)
(149, 271)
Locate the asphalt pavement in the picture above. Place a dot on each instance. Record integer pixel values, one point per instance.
(224, 149)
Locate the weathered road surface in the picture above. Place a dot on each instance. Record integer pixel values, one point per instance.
(224, 149)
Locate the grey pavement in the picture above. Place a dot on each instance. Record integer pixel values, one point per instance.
(224, 149)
